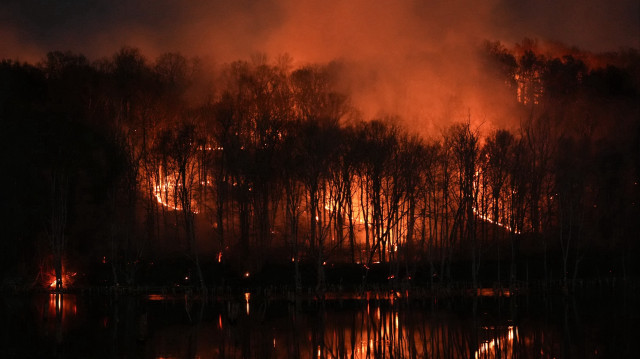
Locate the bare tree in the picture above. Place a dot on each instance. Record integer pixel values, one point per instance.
(497, 149)
(58, 219)
(464, 144)
(182, 147)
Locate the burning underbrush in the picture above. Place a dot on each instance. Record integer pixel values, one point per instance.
(67, 279)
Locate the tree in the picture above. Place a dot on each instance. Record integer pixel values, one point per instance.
(319, 151)
(464, 144)
(571, 175)
(58, 220)
(538, 139)
(497, 149)
(23, 91)
(181, 146)
(378, 142)
(412, 159)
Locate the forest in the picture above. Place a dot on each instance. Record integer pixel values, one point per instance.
(129, 171)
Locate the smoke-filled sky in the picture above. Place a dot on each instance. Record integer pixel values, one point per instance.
(406, 52)
(309, 29)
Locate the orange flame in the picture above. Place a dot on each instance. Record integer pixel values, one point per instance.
(66, 280)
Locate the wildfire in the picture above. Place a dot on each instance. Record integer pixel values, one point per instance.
(490, 220)
(495, 347)
(67, 279)
(165, 192)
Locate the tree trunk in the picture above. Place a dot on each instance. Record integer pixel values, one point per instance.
(58, 221)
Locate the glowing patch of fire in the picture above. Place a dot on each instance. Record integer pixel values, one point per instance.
(492, 347)
(490, 220)
(66, 280)
(165, 193)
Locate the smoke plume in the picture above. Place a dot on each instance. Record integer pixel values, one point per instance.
(415, 59)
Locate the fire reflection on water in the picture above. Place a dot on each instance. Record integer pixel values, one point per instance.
(381, 328)
(284, 328)
(61, 306)
(59, 311)
(498, 347)
(394, 333)
(247, 296)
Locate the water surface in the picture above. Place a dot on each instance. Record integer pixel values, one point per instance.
(384, 326)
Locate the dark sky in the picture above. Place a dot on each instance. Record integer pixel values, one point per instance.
(306, 29)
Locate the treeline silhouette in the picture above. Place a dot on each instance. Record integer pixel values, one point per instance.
(116, 163)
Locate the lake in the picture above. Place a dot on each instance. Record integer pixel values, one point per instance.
(387, 325)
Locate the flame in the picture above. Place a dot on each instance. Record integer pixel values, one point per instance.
(165, 192)
(157, 297)
(67, 279)
(493, 347)
(488, 218)
(492, 292)
(247, 296)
